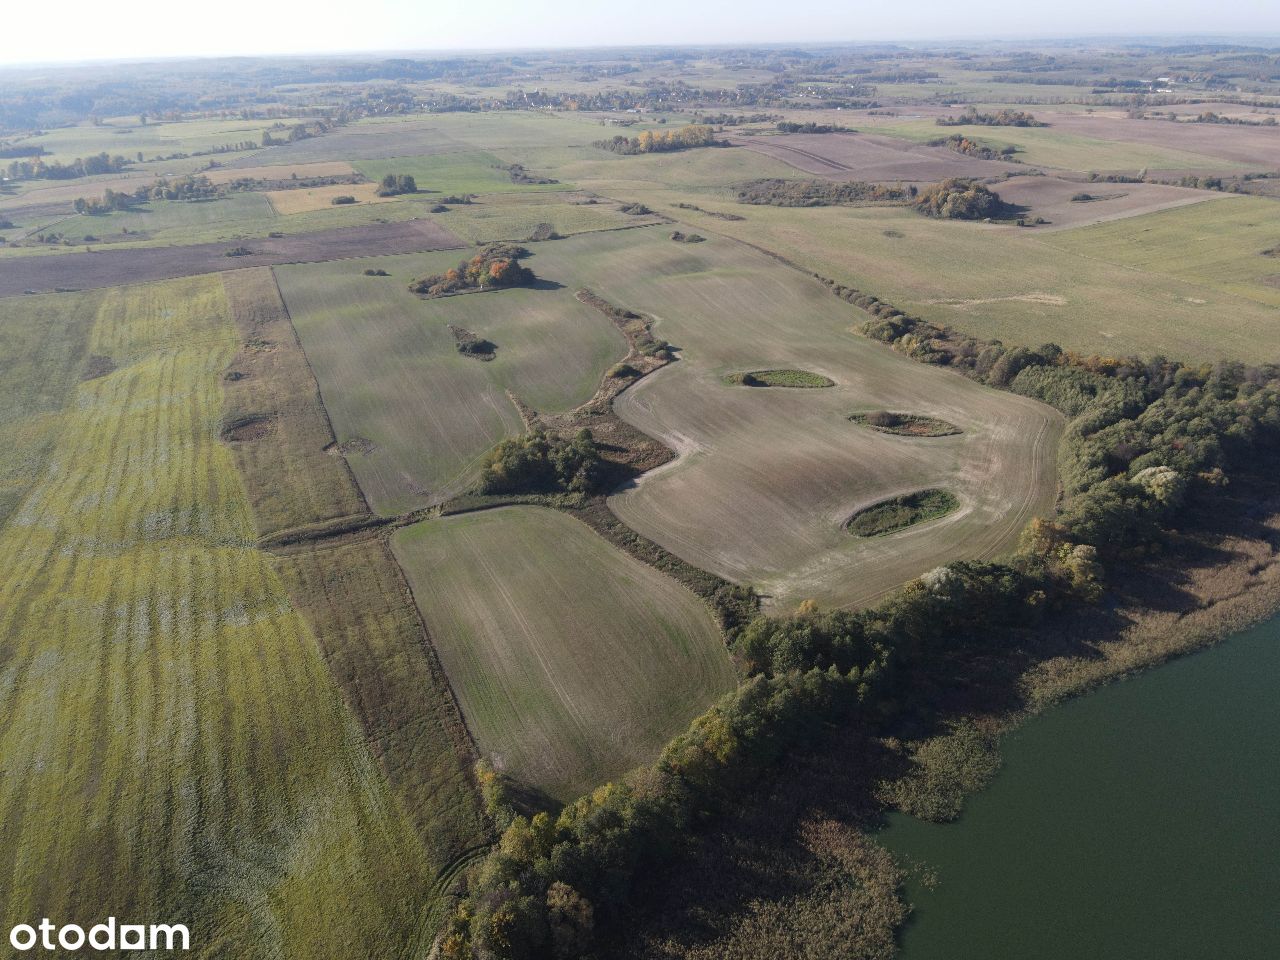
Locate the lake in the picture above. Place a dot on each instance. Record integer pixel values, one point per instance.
(1140, 821)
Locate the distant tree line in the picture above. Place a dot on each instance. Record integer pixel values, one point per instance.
(790, 126)
(37, 168)
(193, 187)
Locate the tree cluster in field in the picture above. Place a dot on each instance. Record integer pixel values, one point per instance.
(680, 237)
(959, 200)
(1209, 116)
(819, 193)
(971, 148)
(791, 126)
(652, 141)
(343, 200)
(539, 462)
(197, 187)
(1003, 118)
(495, 267)
(37, 168)
(519, 174)
(280, 134)
(395, 184)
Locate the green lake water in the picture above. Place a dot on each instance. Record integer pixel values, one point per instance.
(1140, 822)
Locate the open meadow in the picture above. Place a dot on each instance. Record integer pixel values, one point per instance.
(572, 661)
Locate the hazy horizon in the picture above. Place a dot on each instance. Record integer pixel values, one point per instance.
(90, 33)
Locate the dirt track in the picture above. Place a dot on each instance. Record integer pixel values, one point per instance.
(107, 268)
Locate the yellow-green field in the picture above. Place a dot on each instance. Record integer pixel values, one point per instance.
(573, 662)
(174, 745)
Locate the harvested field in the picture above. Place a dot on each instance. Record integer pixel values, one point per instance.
(1051, 198)
(870, 157)
(1027, 287)
(1228, 147)
(286, 171)
(286, 202)
(767, 478)
(390, 369)
(514, 216)
(573, 662)
(103, 268)
(172, 737)
(370, 139)
(1083, 143)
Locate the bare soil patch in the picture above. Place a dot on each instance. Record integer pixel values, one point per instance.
(1051, 198)
(97, 366)
(108, 268)
(870, 157)
(254, 428)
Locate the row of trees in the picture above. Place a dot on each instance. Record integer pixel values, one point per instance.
(37, 168)
(651, 141)
(1002, 118)
(194, 187)
(820, 193)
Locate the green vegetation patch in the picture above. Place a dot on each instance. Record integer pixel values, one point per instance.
(890, 516)
(779, 378)
(906, 424)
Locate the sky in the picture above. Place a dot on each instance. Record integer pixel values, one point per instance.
(73, 30)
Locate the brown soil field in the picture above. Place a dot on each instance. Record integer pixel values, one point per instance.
(281, 171)
(286, 202)
(845, 156)
(1255, 147)
(107, 268)
(1050, 197)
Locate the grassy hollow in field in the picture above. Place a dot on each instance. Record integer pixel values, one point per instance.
(897, 513)
(905, 424)
(779, 378)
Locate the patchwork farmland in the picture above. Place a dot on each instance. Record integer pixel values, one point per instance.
(506, 507)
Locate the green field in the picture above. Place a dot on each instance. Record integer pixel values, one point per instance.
(126, 136)
(174, 744)
(1219, 246)
(391, 375)
(454, 173)
(572, 661)
(1018, 285)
